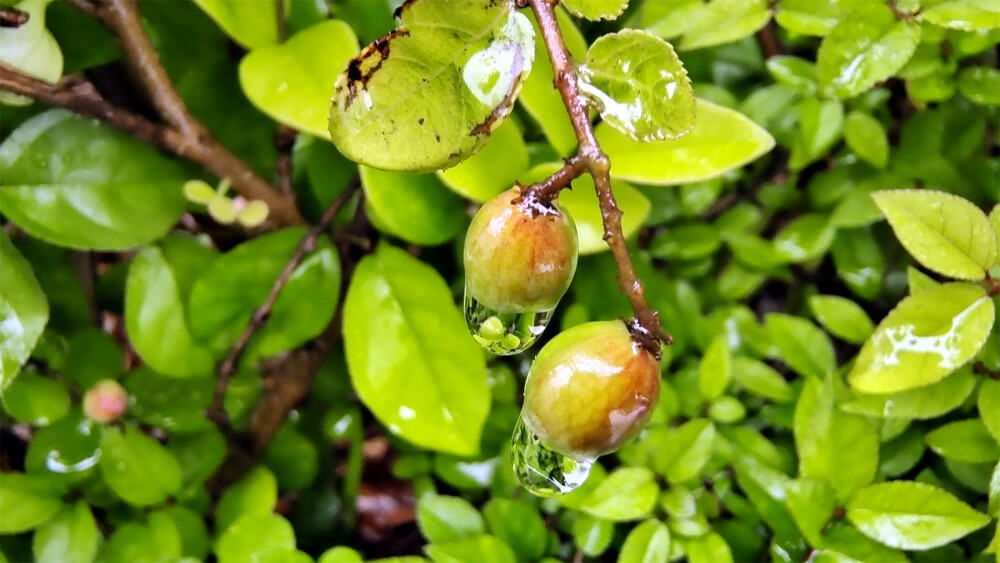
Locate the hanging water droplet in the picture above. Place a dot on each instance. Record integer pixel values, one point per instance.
(503, 334)
(543, 471)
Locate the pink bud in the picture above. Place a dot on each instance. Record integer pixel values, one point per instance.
(105, 401)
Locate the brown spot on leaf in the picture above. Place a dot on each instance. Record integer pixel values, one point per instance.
(398, 12)
(363, 67)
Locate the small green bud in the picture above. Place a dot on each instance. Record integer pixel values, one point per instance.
(253, 214)
(221, 209)
(105, 401)
(197, 191)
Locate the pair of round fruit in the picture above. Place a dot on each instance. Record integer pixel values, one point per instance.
(593, 386)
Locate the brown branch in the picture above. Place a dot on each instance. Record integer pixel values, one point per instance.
(85, 6)
(647, 329)
(284, 141)
(550, 187)
(768, 42)
(227, 368)
(79, 96)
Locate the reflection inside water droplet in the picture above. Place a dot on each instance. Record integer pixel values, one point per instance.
(503, 334)
(541, 470)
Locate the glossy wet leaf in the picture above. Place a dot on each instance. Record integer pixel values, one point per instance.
(980, 84)
(292, 82)
(866, 47)
(639, 85)
(965, 15)
(27, 501)
(596, 9)
(867, 138)
(228, 291)
(155, 540)
(432, 215)
(709, 548)
(794, 72)
(649, 542)
(254, 494)
(910, 515)
(254, 537)
(31, 49)
(69, 448)
(988, 403)
(108, 192)
(806, 238)
(592, 535)
(70, 537)
(842, 317)
(36, 400)
(811, 503)
(801, 345)
(761, 379)
(483, 547)
(808, 17)
(410, 355)
(945, 233)
(429, 94)
(491, 170)
(920, 403)
(964, 440)
(725, 21)
(137, 468)
(926, 337)
(722, 140)
(687, 451)
(859, 262)
(820, 126)
(627, 493)
(445, 518)
(715, 369)
(542, 101)
(24, 311)
(519, 524)
(154, 314)
(248, 24)
(582, 204)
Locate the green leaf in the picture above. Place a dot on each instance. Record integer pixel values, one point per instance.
(445, 519)
(27, 502)
(820, 127)
(70, 447)
(70, 537)
(191, 529)
(253, 495)
(859, 262)
(801, 345)
(808, 17)
(833, 445)
(30, 48)
(394, 105)
(900, 455)
(793, 72)
(842, 317)
(37, 400)
(229, 290)
(432, 214)
(842, 543)
(765, 487)
(517, 523)
(806, 238)
(251, 538)
(542, 101)
(867, 46)
(988, 404)
(628, 493)
(292, 82)
(964, 15)
(592, 535)
(410, 355)
(158, 540)
(725, 21)
(921, 403)
(910, 515)
(722, 140)
(639, 86)
(137, 468)
(926, 337)
(761, 379)
(293, 457)
(167, 403)
(981, 85)
(994, 218)
(596, 9)
(493, 169)
(649, 542)
(994, 492)
(867, 138)
(709, 548)
(478, 548)
(945, 233)
(666, 18)
(154, 315)
(687, 451)
(340, 554)
(715, 368)
(811, 503)
(24, 311)
(109, 192)
(248, 24)
(964, 440)
(582, 205)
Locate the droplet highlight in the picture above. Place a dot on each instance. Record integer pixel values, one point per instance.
(503, 334)
(541, 470)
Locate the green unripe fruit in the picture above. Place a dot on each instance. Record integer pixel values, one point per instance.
(590, 389)
(520, 257)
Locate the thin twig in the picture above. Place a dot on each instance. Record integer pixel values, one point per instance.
(308, 243)
(284, 141)
(647, 329)
(768, 42)
(279, 8)
(85, 6)
(550, 187)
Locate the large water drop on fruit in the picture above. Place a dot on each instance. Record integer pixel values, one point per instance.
(541, 470)
(503, 334)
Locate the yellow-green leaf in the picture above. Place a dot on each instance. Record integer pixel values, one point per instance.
(964, 15)
(596, 9)
(639, 85)
(867, 138)
(725, 21)
(842, 317)
(944, 232)
(292, 82)
(432, 213)
(967, 441)
(249, 23)
(925, 338)
(491, 170)
(981, 85)
(30, 48)
(722, 140)
(24, 311)
(921, 403)
(429, 94)
(988, 404)
(715, 368)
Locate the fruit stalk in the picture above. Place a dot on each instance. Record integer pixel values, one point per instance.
(647, 329)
